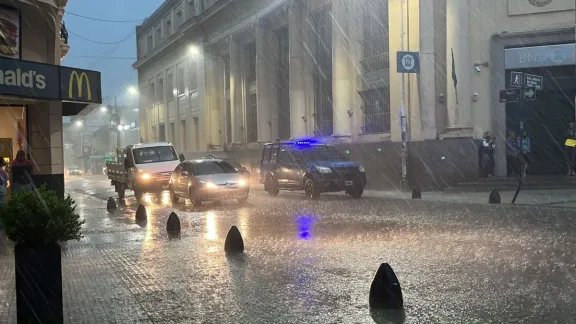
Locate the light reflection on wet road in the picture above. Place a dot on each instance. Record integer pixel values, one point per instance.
(313, 262)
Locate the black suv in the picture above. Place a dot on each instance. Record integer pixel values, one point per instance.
(309, 166)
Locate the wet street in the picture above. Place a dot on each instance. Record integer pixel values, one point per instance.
(313, 262)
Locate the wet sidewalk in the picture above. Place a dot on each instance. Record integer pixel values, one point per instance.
(565, 198)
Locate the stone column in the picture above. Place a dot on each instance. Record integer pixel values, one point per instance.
(298, 71)
(342, 78)
(46, 144)
(203, 102)
(265, 85)
(236, 104)
(427, 71)
(458, 42)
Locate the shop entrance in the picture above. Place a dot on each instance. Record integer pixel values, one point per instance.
(12, 131)
(546, 119)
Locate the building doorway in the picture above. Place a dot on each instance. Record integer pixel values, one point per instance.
(546, 118)
(13, 133)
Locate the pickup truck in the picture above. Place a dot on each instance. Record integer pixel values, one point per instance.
(143, 168)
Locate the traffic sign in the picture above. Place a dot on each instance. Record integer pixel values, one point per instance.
(530, 94)
(86, 150)
(533, 81)
(517, 79)
(513, 95)
(510, 95)
(407, 62)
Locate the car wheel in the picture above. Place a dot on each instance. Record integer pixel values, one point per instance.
(173, 197)
(242, 200)
(194, 201)
(355, 192)
(271, 186)
(311, 189)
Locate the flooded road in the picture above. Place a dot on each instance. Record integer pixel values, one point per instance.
(313, 262)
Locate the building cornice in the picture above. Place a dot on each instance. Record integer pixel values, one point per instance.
(180, 34)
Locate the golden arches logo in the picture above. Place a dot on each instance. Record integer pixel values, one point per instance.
(80, 79)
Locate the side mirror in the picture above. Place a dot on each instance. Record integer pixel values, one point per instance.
(181, 157)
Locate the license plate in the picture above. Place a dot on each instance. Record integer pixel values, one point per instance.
(165, 187)
(349, 183)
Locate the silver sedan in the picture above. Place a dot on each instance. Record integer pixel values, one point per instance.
(208, 179)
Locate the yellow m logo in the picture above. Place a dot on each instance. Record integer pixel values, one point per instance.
(80, 79)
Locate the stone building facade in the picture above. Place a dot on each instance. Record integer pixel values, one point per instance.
(230, 75)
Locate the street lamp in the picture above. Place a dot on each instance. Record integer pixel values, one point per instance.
(194, 51)
(132, 90)
(103, 109)
(79, 123)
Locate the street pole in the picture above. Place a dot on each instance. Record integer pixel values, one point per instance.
(403, 123)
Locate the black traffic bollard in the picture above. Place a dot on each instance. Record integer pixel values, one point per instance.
(234, 242)
(416, 193)
(141, 213)
(494, 197)
(111, 205)
(173, 224)
(385, 291)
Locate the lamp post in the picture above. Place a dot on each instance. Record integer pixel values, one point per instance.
(194, 51)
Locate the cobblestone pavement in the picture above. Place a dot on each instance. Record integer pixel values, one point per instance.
(313, 262)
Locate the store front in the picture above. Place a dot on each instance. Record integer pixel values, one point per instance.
(33, 98)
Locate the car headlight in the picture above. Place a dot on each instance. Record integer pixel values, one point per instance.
(323, 169)
(145, 176)
(209, 185)
(361, 169)
(242, 182)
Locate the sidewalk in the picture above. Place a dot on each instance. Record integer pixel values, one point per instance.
(550, 198)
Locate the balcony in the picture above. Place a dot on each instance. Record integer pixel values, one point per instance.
(64, 47)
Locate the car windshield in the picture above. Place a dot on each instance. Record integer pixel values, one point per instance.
(319, 154)
(215, 167)
(235, 164)
(154, 154)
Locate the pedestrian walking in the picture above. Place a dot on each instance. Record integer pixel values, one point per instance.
(21, 170)
(525, 145)
(570, 148)
(512, 154)
(488, 146)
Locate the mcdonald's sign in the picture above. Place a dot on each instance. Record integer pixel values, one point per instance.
(35, 80)
(80, 85)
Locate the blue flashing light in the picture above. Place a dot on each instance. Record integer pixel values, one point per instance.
(305, 142)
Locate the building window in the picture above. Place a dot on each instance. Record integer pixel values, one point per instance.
(172, 132)
(152, 93)
(193, 8)
(149, 43)
(375, 37)
(160, 90)
(226, 59)
(170, 86)
(178, 19)
(196, 126)
(283, 84)
(183, 134)
(376, 108)
(252, 119)
(158, 35)
(208, 3)
(167, 28)
(322, 72)
(162, 133)
(193, 75)
(181, 82)
(250, 54)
